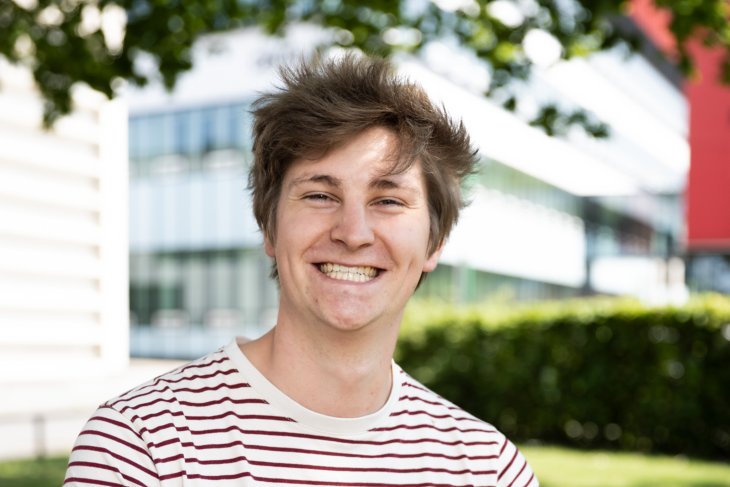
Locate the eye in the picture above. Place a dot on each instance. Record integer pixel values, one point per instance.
(318, 197)
(389, 202)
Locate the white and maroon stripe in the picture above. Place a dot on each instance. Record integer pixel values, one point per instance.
(204, 422)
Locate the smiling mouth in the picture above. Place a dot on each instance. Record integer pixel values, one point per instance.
(345, 273)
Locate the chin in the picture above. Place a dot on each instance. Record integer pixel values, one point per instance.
(349, 321)
(347, 325)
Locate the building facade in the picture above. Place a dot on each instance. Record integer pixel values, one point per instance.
(63, 260)
(63, 212)
(549, 217)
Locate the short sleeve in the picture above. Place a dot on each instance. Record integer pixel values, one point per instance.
(109, 451)
(513, 468)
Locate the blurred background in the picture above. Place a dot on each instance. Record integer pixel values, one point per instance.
(127, 242)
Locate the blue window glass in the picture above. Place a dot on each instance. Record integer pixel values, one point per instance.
(222, 136)
(181, 136)
(196, 136)
(208, 129)
(167, 133)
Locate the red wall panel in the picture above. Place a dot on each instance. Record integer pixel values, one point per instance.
(708, 189)
(708, 192)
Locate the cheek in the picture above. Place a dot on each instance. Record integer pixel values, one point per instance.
(412, 239)
(298, 233)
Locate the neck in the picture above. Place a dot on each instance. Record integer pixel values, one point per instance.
(337, 373)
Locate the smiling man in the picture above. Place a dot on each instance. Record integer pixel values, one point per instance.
(356, 185)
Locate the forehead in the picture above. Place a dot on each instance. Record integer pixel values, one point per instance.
(371, 154)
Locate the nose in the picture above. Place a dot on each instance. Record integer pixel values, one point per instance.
(352, 227)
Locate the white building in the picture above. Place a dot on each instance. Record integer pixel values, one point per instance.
(63, 261)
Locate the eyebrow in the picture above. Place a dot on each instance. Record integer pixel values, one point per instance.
(390, 183)
(383, 182)
(318, 178)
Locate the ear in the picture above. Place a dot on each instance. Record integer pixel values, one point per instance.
(268, 247)
(433, 259)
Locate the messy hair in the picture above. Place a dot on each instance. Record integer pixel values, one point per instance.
(323, 104)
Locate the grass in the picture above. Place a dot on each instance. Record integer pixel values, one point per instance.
(555, 467)
(562, 467)
(33, 473)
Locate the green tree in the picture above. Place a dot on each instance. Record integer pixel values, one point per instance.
(68, 41)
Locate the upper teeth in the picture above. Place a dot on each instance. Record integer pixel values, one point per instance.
(345, 273)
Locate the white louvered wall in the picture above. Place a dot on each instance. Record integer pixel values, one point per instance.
(63, 236)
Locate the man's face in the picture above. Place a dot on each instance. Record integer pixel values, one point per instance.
(351, 240)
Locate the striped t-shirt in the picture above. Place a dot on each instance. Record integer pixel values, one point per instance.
(218, 419)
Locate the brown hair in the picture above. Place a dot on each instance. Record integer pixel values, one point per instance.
(325, 103)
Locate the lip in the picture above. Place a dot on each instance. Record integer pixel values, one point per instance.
(348, 264)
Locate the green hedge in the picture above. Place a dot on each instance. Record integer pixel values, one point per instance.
(589, 373)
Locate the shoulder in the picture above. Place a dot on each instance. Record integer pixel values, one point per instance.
(417, 399)
(200, 376)
(141, 433)
(157, 408)
(420, 408)
(421, 411)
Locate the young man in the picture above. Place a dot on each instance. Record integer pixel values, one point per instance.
(355, 187)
